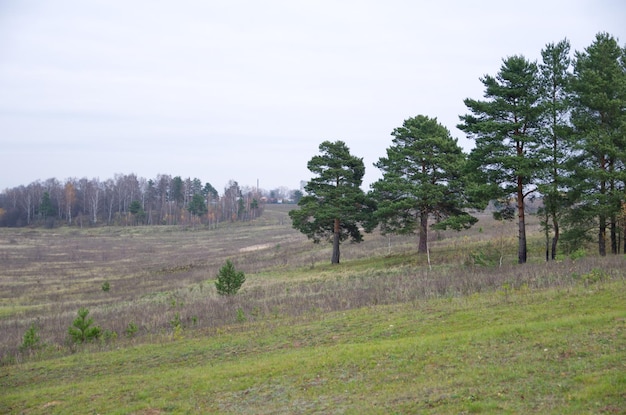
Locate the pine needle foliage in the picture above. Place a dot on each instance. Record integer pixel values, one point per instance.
(229, 280)
(82, 329)
(31, 339)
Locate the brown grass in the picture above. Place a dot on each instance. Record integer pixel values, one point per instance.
(161, 277)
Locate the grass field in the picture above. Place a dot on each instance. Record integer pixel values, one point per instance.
(383, 332)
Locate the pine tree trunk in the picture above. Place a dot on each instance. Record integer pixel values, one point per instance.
(521, 250)
(555, 238)
(547, 247)
(614, 249)
(602, 236)
(336, 231)
(602, 216)
(423, 241)
(555, 173)
(547, 234)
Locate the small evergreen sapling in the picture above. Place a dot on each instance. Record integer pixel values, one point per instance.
(82, 329)
(229, 280)
(31, 338)
(131, 329)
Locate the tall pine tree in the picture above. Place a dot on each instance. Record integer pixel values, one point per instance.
(422, 179)
(599, 118)
(506, 161)
(556, 133)
(335, 206)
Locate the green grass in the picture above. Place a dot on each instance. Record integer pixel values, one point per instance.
(547, 351)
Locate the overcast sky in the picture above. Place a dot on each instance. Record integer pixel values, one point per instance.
(247, 90)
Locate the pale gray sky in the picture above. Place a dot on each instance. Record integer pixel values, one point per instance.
(247, 90)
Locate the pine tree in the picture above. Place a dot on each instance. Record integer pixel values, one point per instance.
(422, 178)
(599, 87)
(46, 208)
(229, 280)
(557, 141)
(505, 161)
(335, 205)
(197, 206)
(82, 329)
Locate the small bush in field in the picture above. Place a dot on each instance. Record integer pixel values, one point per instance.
(109, 336)
(178, 333)
(578, 254)
(82, 329)
(482, 258)
(594, 276)
(241, 316)
(229, 280)
(176, 321)
(31, 339)
(131, 329)
(106, 286)
(178, 326)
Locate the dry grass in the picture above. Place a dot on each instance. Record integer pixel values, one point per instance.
(161, 277)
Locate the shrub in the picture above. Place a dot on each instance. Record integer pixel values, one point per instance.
(484, 258)
(106, 286)
(176, 321)
(594, 276)
(131, 329)
(109, 335)
(31, 338)
(229, 280)
(82, 329)
(578, 254)
(241, 316)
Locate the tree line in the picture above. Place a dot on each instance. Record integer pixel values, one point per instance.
(128, 199)
(554, 129)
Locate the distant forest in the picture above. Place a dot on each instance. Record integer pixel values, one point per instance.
(130, 200)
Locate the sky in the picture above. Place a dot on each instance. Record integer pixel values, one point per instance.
(246, 90)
